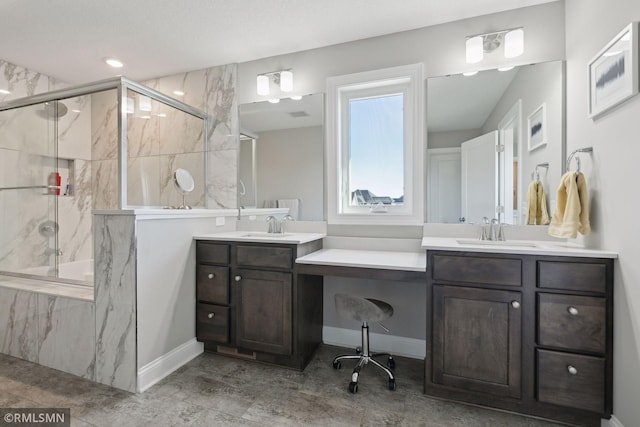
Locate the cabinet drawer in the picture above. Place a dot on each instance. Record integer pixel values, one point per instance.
(212, 323)
(486, 270)
(263, 256)
(213, 284)
(577, 276)
(572, 322)
(571, 380)
(215, 253)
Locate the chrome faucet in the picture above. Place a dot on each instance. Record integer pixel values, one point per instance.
(484, 232)
(284, 220)
(273, 224)
(492, 229)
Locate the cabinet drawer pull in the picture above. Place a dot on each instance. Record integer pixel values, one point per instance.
(237, 278)
(572, 370)
(515, 304)
(572, 310)
(211, 276)
(210, 315)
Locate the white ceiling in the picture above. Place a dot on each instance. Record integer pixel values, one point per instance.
(68, 39)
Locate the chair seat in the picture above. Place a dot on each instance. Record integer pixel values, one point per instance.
(362, 309)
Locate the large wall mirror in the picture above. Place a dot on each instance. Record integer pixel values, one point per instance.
(281, 161)
(489, 136)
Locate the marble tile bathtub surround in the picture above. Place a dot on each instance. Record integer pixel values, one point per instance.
(18, 324)
(115, 296)
(66, 335)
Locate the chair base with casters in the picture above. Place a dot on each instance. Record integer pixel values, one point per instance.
(365, 310)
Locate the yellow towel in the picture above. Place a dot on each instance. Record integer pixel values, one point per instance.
(572, 209)
(537, 202)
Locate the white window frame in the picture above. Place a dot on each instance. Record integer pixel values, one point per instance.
(407, 80)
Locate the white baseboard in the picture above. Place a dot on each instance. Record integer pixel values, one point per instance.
(157, 369)
(399, 346)
(613, 422)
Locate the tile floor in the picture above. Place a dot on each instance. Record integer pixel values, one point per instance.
(214, 390)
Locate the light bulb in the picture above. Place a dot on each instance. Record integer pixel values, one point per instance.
(112, 62)
(474, 49)
(514, 43)
(274, 100)
(263, 84)
(286, 81)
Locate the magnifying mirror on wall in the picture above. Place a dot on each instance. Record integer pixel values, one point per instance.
(183, 180)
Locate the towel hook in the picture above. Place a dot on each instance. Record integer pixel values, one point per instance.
(573, 154)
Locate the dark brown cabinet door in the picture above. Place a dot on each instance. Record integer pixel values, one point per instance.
(263, 310)
(477, 335)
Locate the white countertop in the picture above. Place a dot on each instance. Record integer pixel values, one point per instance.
(386, 260)
(261, 236)
(527, 247)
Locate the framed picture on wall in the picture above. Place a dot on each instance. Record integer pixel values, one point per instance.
(613, 72)
(537, 127)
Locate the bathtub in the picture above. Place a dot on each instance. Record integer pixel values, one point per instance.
(78, 271)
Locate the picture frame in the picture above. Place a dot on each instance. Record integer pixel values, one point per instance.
(613, 72)
(537, 127)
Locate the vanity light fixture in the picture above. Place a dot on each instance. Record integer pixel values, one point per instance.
(478, 45)
(4, 92)
(296, 97)
(283, 78)
(506, 68)
(470, 73)
(115, 63)
(274, 100)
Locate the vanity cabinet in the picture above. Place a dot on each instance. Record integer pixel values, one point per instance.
(251, 305)
(525, 333)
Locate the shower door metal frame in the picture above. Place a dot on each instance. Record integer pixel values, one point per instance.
(121, 84)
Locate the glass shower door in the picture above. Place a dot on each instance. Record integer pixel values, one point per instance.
(29, 186)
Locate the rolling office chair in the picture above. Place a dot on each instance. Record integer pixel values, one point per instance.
(364, 310)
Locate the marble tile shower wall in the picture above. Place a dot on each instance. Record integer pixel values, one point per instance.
(27, 156)
(158, 145)
(211, 90)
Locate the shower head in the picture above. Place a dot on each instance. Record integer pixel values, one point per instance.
(49, 110)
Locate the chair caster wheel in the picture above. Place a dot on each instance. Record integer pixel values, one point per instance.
(353, 387)
(358, 350)
(391, 363)
(392, 385)
(337, 364)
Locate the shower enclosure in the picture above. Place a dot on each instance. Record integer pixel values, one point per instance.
(108, 145)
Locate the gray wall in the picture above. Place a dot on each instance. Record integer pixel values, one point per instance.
(290, 164)
(441, 48)
(609, 171)
(451, 138)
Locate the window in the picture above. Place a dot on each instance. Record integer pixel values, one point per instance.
(375, 147)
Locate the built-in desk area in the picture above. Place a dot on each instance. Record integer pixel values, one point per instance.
(381, 265)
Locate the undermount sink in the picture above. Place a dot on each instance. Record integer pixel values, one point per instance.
(265, 234)
(496, 243)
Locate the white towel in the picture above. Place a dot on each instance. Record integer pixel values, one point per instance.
(270, 204)
(292, 204)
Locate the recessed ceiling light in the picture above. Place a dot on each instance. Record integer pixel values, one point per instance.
(505, 68)
(470, 73)
(274, 101)
(5, 92)
(161, 115)
(76, 111)
(114, 63)
(296, 97)
(178, 92)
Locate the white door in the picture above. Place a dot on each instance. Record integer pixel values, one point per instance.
(479, 174)
(444, 185)
(507, 189)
